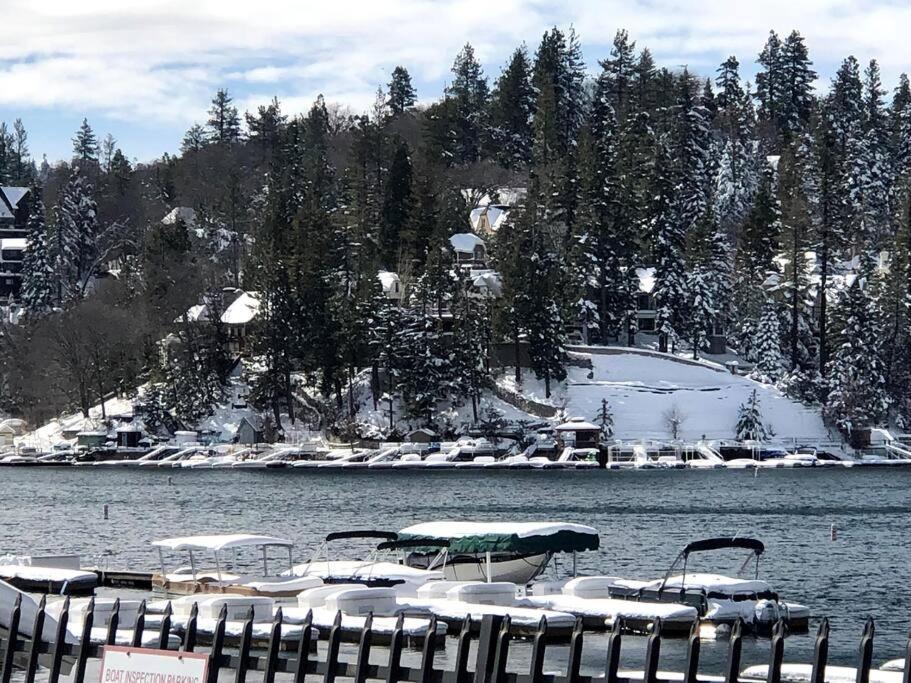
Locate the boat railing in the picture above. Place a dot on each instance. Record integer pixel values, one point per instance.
(481, 650)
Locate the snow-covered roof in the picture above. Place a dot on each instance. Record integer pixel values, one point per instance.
(465, 242)
(508, 196)
(219, 542)
(488, 281)
(197, 313)
(495, 214)
(183, 213)
(772, 161)
(13, 243)
(576, 424)
(646, 279)
(388, 280)
(244, 309)
(14, 195)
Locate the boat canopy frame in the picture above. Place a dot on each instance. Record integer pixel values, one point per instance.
(755, 546)
(217, 543)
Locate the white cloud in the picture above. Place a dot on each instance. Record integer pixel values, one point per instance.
(161, 59)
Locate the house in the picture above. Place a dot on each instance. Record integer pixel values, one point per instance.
(12, 254)
(391, 284)
(578, 433)
(13, 211)
(645, 301)
(240, 310)
(492, 209)
(422, 435)
(468, 250)
(251, 430)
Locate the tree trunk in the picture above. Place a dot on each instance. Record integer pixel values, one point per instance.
(662, 343)
(375, 384)
(289, 396)
(350, 392)
(795, 298)
(823, 312)
(546, 385)
(517, 347)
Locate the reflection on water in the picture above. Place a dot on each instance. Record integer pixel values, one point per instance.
(644, 519)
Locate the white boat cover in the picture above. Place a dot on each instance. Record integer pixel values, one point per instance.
(220, 542)
(453, 529)
(357, 570)
(456, 610)
(801, 673)
(609, 609)
(46, 574)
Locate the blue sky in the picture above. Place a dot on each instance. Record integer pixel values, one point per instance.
(144, 70)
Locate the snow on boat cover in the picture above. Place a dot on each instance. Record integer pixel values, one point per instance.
(524, 537)
(219, 542)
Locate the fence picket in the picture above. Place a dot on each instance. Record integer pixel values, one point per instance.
(114, 622)
(85, 642)
(303, 648)
(59, 642)
(140, 625)
(363, 650)
(735, 645)
(501, 654)
(395, 650)
(275, 642)
(575, 652)
(776, 652)
(538, 649)
(463, 648)
(865, 653)
(164, 632)
(218, 644)
(487, 644)
(430, 641)
(614, 643)
(10, 649)
(821, 653)
(693, 650)
(189, 636)
(35, 646)
(243, 649)
(653, 652)
(335, 639)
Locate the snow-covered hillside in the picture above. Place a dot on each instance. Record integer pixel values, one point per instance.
(641, 387)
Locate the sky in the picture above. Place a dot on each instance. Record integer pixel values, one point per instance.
(145, 70)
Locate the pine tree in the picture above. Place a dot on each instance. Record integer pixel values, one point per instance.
(797, 86)
(74, 247)
(266, 125)
(21, 170)
(749, 420)
(770, 82)
(703, 304)
(618, 74)
(402, 95)
(511, 112)
(85, 144)
(397, 203)
(605, 420)
(194, 139)
(37, 269)
(224, 122)
(468, 93)
(767, 344)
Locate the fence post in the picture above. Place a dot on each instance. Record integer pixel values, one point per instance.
(10, 648)
(614, 643)
(38, 630)
(821, 653)
(501, 655)
(430, 642)
(574, 661)
(85, 642)
(59, 641)
(732, 673)
(363, 650)
(906, 674)
(164, 632)
(189, 636)
(865, 652)
(487, 646)
(140, 625)
(243, 648)
(303, 648)
(538, 648)
(335, 638)
(462, 651)
(395, 650)
(653, 652)
(776, 653)
(275, 642)
(113, 623)
(218, 644)
(693, 650)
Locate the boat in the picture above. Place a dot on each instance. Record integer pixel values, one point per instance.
(375, 571)
(494, 551)
(51, 580)
(229, 574)
(720, 600)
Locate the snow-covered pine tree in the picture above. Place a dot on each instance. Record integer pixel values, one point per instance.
(669, 289)
(605, 420)
(702, 303)
(767, 344)
(468, 93)
(74, 246)
(900, 128)
(38, 288)
(224, 121)
(470, 342)
(770, 82)
(857, 395)
(749, 420)
(618, 74)
(511, 110)
(797, 86)
(402, 94)
(895, 304)
(85, 144)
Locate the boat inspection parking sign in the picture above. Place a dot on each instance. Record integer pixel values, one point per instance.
(142, 665)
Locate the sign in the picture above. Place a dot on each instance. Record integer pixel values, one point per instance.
(142, 665)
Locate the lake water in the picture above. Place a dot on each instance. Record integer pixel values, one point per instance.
(644, 518)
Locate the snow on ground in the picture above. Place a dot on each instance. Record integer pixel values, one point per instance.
(641, 387)
(51, 433)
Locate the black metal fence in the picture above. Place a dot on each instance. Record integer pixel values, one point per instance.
(300, 660)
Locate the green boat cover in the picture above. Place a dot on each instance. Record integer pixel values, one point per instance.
(519, 537)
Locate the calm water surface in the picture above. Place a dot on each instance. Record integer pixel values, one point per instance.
(644, 519)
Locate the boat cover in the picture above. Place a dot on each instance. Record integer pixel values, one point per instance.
(517, 537)
(219, 542)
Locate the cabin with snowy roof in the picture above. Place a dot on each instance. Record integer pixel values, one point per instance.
(13, 218)
(468, 250)
(239, 314)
